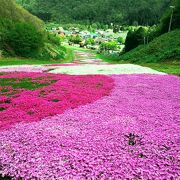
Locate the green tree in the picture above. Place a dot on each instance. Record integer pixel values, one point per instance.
(90, 41)
(165, 20)
(142, 12)
(108, 46)
(76, 39)
(25, 39)
(134, 38)
(120, 40)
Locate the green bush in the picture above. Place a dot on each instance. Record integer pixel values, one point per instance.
(52, 52)
(24, 39)
(76, 39)
(107, 46)
(121, 40)
(53, 39)
(134, 38)
(90, 41)
(5, 24)
(22, 34)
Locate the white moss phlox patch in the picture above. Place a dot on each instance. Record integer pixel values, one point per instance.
(105, 69)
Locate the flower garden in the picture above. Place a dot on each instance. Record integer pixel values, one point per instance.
(61, 123)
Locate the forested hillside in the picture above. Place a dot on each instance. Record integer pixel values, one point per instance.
(129, 12)
(24, 35)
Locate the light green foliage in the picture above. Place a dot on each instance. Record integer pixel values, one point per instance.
(69, 57)
(121, 40)
(52, 52)
(75, 39)
(90, 41)
(53, 39)
(107, 46)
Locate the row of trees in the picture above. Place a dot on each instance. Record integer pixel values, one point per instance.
(141, 12)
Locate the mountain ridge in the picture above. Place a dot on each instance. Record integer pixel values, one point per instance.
(102, 11)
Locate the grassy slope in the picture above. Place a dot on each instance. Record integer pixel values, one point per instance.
(10, 10)
(19, 61)
(169, 68)
(162, 54)
(166, 47)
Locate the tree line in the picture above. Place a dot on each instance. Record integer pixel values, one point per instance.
(129, 12)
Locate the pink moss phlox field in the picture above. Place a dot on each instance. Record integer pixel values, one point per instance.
(94, 141)
(65, 92)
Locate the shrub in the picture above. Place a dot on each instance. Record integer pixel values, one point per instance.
(76, 39)
(120, 40)
(24, 39)
(54, 39)
(5, 24)
(90, 41)
(52, 52)
(134, 38)
(107, 46)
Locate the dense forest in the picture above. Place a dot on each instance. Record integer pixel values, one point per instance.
(129, 12)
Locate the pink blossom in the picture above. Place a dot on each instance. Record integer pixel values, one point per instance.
(94, 141)
(64, 93)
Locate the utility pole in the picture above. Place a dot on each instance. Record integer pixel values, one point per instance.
(170, 23)
(144, 40)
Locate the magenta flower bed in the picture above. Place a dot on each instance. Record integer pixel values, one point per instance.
(130, 134)
(65, 93)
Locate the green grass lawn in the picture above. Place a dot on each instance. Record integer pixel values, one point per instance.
(25, 83)
(112, 59)
(164, 67)
(20, 61)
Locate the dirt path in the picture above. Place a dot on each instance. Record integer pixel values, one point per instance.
(87, 58)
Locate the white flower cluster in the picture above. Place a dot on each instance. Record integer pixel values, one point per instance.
(104, 69)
